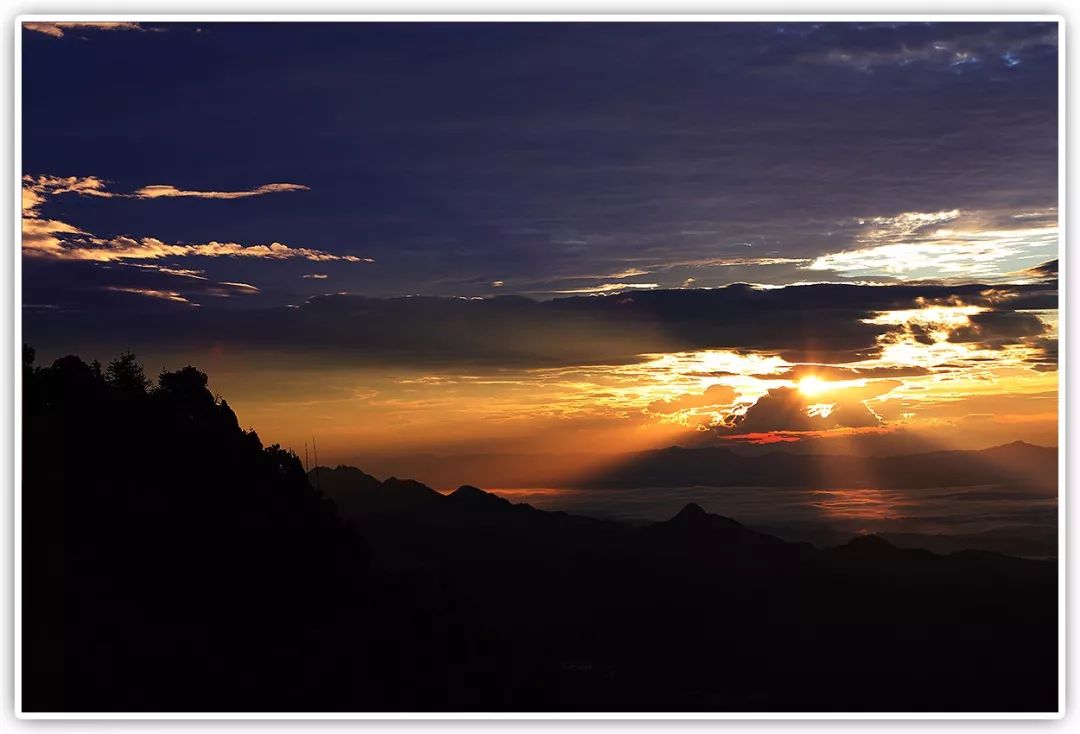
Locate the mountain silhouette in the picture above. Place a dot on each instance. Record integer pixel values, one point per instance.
(1018, 464)
(172, 562)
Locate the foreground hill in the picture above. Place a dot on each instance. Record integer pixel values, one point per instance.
(171, 562)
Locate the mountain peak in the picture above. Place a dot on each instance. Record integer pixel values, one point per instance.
(869, 543)
(467, 493)
(692, 511)
(468, 490)
(1018, 445)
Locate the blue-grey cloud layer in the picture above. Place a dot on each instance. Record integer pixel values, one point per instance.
(544, 157)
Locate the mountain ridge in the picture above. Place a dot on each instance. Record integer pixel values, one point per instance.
(1015, 464)
(363, 500)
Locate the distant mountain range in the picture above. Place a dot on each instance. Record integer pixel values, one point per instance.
(1022, 469)
(699, 611)
(1017, 465)
(374, 505)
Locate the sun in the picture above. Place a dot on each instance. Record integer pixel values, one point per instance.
(811, 386)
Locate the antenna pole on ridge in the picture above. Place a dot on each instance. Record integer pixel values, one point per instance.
(315, 451)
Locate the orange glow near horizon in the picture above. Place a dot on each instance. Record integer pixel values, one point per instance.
(571, 420)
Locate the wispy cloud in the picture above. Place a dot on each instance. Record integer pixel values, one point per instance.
(56, 28)
(195, 284)
(628, 273)
(241, 286)
(152, 293)
(315, 276)
(607, 288)
(150, 248)
(42, 186)
(943, 50)
(49, 238)
(731, 262)
(914, 245)
(158, 191)
(46, 237)
(169, 270)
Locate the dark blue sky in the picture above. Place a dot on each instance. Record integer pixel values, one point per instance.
(536, 159)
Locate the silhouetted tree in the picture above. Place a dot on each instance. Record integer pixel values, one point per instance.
(125, 375)
(164, 545)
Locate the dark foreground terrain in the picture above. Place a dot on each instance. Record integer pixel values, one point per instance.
(174, 563)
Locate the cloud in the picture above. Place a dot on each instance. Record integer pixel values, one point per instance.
(47, 237)
(833, 372)
(241, 286)
(975, 254)
(1044, 271)
(914, 245)
(904, 224)
(787, 409)
(43, 185)
(170, 270)
(714, 396)
(606, 288)
(993, 329)
(315, 276)
(941, 47)
(628, 273)
(729, 262)
(44, 243)
(58, 240)
(56, 28)
(824, 324)
(1046, 358)
(93, 286)
(151, 293)
(158, 191)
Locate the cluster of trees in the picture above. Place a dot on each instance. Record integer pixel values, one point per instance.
(171, 561)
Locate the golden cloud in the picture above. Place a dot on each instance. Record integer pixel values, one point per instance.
(56, 28)
(158, 191)
(48, 238)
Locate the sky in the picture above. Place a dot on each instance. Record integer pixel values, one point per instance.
(557, 238)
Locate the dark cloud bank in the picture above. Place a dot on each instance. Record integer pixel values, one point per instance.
(811, 323)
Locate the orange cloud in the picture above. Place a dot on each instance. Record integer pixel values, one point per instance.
(151, 293)
(41, 186)
(765, 438)
(48, 238)
(158, 191)
(244, 286)
(46, 244)
(607, 288)
(714, 396)
(56, 28)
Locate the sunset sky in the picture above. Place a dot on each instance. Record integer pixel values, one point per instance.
(557, 238)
